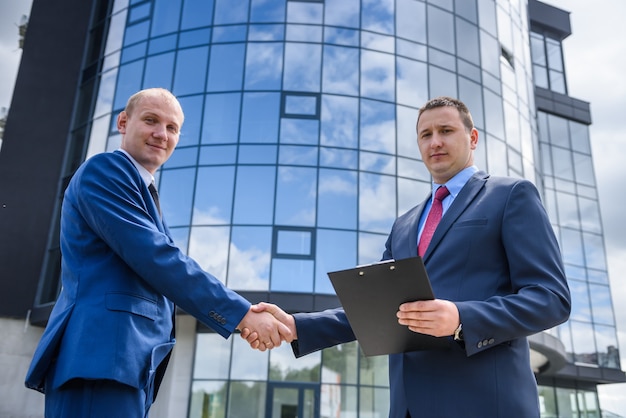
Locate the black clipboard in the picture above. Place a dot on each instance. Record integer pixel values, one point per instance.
(371, 295)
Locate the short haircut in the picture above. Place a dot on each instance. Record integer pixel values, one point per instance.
(444, 101)
(134, 100)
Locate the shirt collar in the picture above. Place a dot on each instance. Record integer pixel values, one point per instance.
(456, 183)
(147, 177)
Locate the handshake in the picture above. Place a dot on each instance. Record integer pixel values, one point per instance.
(266, 326)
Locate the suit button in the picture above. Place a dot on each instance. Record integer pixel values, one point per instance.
(480, 344)
(491, 341)
(223, 321)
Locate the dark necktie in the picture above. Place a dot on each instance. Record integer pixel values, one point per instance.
(155, 196)
(434, 216)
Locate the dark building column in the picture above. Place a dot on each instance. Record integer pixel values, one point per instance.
(34, 144)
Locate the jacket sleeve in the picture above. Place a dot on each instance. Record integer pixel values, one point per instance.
(112, 198)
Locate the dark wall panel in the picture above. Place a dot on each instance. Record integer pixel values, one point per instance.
(34, 144)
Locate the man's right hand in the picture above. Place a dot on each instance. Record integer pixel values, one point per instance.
(268, 330)
(255, 339)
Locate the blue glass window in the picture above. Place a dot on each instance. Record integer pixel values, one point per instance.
(254, 195)
(294, 242)
(228, 11)
(226, 67)
(196, 13)
(259, 122)
(378, 126)
(296, 196)
(162, 44)
(139, 12)
(342, 13)
(257, 154)
(340, 116)
(411, 20)
(176, 189)
(378, 16)
(214, 195)
(378, 75)
(337, 189)
(190, 132)
(221, 118)
(341, 70)
(128, 82)
(411, 77)
(301, 105)
(336, 250)
(377, 202)
(264, 63)
(165, 16)
(292, 275)
(194, 38)
(159, 71)
(299, 131)
(267, 11)
(218, 155)
(190, 71)
(250, 257)
(136, 33)
(302, 67)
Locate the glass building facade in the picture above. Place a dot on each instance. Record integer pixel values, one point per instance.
(299, 150)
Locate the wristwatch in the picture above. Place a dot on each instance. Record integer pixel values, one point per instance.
(458, 333)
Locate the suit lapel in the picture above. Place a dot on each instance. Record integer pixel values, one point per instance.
(461, 202)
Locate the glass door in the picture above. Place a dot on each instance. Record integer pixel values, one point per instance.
(292, 400)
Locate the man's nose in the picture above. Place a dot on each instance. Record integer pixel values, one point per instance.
(160, 131)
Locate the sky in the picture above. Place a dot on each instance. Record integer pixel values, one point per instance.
(595, 62)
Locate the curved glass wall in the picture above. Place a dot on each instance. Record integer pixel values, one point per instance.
(299, 150)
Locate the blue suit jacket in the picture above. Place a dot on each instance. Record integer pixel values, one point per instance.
(495, 255)
(121, 275)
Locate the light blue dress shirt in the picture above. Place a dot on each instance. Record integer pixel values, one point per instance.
(454, 185)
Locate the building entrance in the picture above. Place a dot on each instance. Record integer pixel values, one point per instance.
(292, 400)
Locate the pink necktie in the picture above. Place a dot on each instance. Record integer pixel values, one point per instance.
(434, 216)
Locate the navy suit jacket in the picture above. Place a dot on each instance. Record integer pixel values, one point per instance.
(121, 276)
(495, 255)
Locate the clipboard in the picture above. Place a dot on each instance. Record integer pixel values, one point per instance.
(371, 295)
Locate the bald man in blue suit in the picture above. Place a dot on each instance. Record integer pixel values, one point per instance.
(107, 343)
(496, 270)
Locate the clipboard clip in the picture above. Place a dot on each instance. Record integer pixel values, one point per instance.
(391, 267)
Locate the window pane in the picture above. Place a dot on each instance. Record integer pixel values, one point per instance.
(338, 400)
(214, 195)
(248, 364)
(411, 77)
(190, 71)
(250, 255)
(165, 16)
(378, 16)
(128, 82)
(299, 131)
(228, 11)
(562, 161)
(337, 196)
(257, 154)
(339, 121)
(264, 63)
(298, 155)
(267, 11)
(467, 41)
(594, 251)
(196, 13)
(176, 191)
(208, 245)
(377, 75)
(254, 195)
(342, 13)
(294, 242)
(335, 251)
(303, 12)
(559, 134)
(259, 122)
(304, 33)
(246, 399)
(581, 305)
(590, 215)
(571, 246)
(296, 196)
(442, 82)
(212, 358)
(601, 305)
(338, 158)
(568, 210)
(378, 126)
(374, 371)
(292, 275)
(190, 133)
(411, 20)
(285, 367)
(341, 70)
(440, 29)
(208, 398)
(221, 118)
(226, 67)
(159, 70)
(302, 66)
(377, 202)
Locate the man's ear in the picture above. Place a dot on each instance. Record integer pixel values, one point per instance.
(474, 138)
(122, 118)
